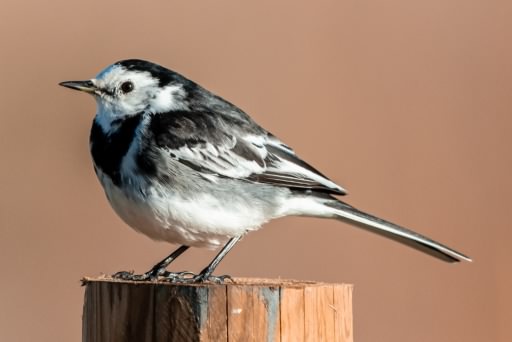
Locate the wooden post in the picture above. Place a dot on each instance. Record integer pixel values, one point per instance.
(244, 310)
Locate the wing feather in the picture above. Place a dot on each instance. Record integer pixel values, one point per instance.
(212, 145)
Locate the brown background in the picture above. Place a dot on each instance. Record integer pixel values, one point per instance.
(405, 103)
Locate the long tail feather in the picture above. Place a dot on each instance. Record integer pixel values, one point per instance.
(347, 213)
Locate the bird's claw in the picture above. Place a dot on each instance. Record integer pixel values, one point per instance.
(129, 275)
(184, 277)
(192, 278)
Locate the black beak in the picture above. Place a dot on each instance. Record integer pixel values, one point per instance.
(86, 86)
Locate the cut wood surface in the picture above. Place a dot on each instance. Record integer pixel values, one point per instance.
(245, 309)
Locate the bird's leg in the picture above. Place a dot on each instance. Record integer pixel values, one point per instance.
(206, 274)
(156, 271)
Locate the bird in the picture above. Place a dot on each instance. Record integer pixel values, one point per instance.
(180, 164)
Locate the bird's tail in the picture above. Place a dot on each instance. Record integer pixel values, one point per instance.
(347, 213)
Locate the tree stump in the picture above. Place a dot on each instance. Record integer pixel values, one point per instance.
(242, 310)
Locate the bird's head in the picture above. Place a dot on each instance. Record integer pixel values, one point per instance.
(132, 86)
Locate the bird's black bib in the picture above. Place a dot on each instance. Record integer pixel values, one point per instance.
(108, 149)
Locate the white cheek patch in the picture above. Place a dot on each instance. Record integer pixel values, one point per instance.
(131, 103)
(168, 98)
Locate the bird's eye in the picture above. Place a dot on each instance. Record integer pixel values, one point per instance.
(126, 87)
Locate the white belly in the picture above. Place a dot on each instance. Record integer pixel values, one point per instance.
(200, 221)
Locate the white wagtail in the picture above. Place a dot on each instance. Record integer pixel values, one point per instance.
(180, 164)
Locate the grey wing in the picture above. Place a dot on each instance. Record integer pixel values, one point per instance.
(285, 168)
(242, 150)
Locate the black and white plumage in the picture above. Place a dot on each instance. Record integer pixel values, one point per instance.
(182, 165)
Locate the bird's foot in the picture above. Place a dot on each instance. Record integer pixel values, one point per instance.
(192, 278)
(150, 275)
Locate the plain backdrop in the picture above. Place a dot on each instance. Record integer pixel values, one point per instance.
(405, 103)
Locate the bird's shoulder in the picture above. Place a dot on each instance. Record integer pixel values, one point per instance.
(211, 144)
(196, 127)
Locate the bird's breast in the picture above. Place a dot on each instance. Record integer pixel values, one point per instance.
(108, 149)
(162, 213)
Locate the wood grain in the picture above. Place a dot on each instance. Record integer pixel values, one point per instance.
(292, 315)
(343, 321)
(245, 310)
(319, 313)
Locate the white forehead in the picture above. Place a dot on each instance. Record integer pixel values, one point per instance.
(115, 74)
